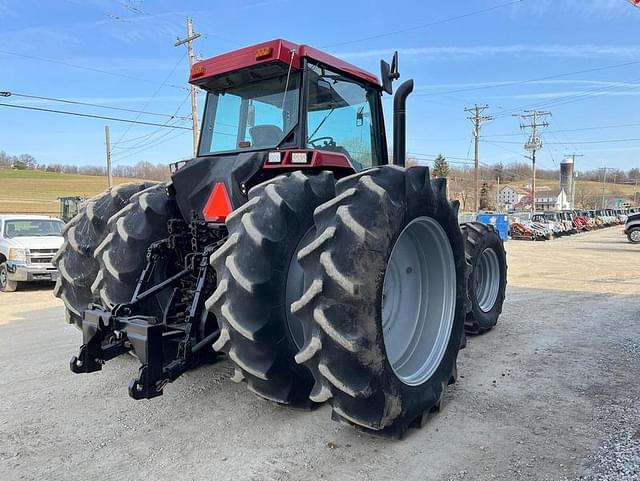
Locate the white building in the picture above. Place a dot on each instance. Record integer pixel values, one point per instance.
(552, 200)
(509, 196)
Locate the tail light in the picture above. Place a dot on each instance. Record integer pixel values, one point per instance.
(218, 206)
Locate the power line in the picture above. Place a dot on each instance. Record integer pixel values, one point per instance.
(522, 82)
(166, 79)
(573, 141)
(619, 126)
(90, 69)
(149, 136)
(87, 104)
(91, 116)
(426, 25)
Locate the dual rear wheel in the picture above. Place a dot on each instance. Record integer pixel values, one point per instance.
(352, 293)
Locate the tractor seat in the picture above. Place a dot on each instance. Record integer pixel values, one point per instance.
(265, 135)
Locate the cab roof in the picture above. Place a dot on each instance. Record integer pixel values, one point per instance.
(277, 50)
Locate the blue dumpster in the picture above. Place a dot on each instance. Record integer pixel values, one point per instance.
(499, 221)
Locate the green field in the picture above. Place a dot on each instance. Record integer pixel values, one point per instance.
(592, 186)
(36, 192)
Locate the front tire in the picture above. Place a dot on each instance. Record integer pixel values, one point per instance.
(258, 278)
(383, 355)
(488, 279)
(6, 285)
(634, 235)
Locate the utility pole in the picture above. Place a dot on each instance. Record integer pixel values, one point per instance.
(477, 119)
(604, 183)
(194, 93)
(533, 144)
(573, 178)
(107, 145)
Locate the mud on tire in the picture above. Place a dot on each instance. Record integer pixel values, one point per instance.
(121, 255)
(251, 301)
(75, 259)
(343, 307)
(488, 279)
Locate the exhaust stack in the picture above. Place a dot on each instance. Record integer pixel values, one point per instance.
(400, 122)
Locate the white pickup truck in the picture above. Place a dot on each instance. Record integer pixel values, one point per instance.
(27, 245)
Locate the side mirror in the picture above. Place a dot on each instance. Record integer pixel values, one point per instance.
(389, 73)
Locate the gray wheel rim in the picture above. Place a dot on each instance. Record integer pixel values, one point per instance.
(635, 236)
(296, 284)
(3, 276)
(487, 279)
(418, 301)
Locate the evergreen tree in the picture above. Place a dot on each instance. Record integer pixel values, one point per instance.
(441, 167)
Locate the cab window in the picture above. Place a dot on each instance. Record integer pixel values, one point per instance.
(341, 116)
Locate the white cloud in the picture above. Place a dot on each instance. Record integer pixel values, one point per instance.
(563, 51)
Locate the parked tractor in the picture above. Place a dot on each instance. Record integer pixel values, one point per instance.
(290, 245)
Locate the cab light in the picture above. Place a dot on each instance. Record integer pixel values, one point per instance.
(299, 158)
(218, 206)
(274, 158)
(197, 70)
(264, 52)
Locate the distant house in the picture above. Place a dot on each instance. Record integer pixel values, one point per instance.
(552, 200)
(510, 196)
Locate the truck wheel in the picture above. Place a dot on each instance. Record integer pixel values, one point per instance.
(258, 278)
(488, 279)
(634, 235)
(386, 305)
(121, 256)
(6, 285)
(82, 234)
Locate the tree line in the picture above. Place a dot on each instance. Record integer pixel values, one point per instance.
(140, 170)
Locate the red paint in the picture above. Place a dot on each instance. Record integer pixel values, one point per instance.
(319, 159)
(218, 206)
(280, 51)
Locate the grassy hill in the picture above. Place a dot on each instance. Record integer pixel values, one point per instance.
(592, 186)
(36, 192)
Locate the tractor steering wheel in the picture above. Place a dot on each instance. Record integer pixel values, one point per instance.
(328, 141)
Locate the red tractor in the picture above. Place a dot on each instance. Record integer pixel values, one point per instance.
(290, 245)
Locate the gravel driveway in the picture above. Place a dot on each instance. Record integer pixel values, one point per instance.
(551, 394)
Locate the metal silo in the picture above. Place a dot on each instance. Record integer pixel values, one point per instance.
(566, 179)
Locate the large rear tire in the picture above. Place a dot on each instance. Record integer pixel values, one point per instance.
(488, 279)
(75, 259)
(386, 305)
(121, 255)
(258, 278)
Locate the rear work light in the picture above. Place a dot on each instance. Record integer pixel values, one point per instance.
(300, 157)
(218, 206)
(274, 158)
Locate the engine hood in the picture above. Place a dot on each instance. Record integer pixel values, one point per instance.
(35, 242)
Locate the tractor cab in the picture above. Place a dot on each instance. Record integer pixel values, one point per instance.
(299, 107)
(279, 107)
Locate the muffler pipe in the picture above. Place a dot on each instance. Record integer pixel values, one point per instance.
(400, 122)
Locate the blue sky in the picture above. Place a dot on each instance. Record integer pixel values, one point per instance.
(487, 58)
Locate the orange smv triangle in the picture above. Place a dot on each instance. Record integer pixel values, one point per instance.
(218, 207)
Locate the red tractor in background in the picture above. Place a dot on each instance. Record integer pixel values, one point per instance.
(290, 245)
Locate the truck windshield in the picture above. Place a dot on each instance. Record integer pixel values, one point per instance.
(258, 115)
(32, 227)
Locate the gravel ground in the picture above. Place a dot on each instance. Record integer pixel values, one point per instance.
(551, 394)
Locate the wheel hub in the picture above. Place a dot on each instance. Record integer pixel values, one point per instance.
(487, 279)
(635, 236)
(418, 300)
